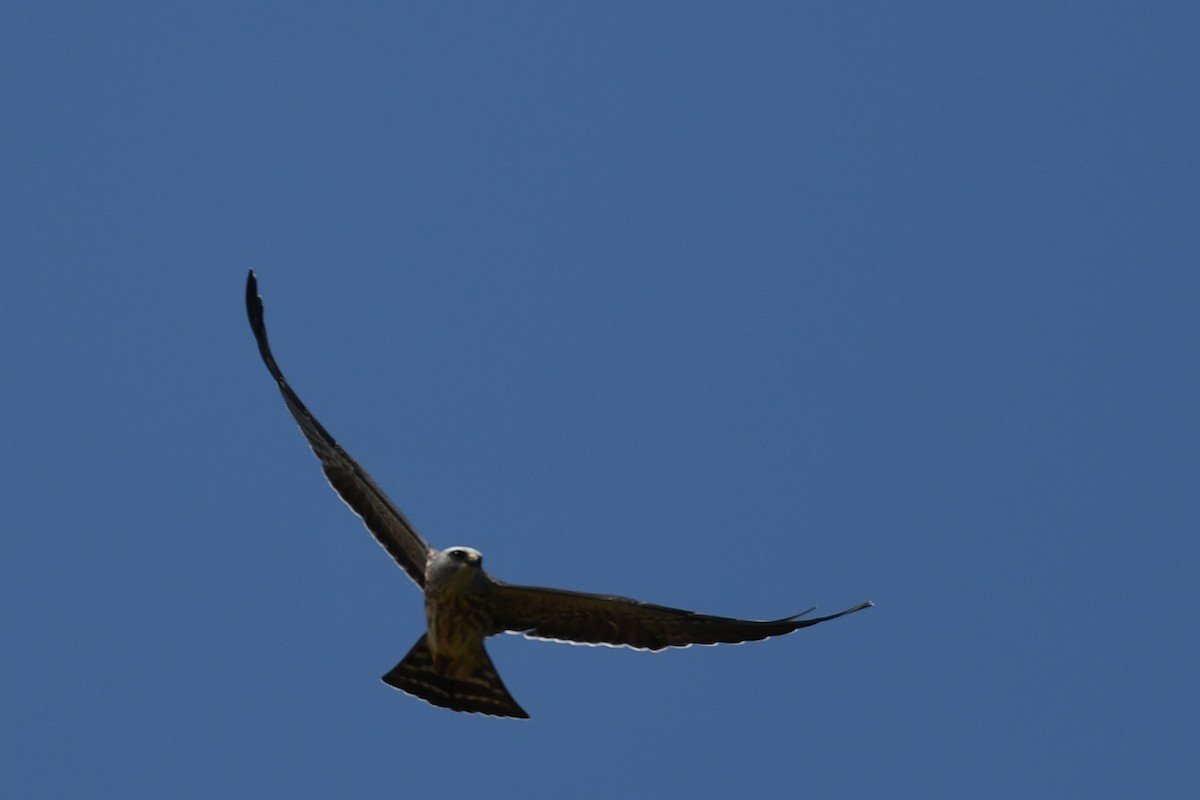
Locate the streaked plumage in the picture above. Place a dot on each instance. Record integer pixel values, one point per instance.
(449, 666)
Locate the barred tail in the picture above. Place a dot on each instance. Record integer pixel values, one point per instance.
(482, 692)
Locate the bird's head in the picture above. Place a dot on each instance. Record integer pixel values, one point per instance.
(465, 556)
(455, 566)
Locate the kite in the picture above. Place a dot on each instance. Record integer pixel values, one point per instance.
(448, 666)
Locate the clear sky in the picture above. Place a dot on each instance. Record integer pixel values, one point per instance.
(740, 307)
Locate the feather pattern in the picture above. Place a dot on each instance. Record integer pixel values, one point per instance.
(383, 519)
(582, 618)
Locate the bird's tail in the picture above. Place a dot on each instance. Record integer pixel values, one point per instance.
(482, 692)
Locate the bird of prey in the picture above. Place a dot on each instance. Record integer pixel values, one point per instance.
(448, 666)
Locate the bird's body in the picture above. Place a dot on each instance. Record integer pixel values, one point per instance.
(457, 595)
(449, 666)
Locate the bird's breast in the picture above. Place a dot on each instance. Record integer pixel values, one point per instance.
(457, 623)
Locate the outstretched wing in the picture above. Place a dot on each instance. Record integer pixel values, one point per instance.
(580, 618)
(352, 483)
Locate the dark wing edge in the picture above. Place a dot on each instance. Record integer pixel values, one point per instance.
(353, 485)
(581, 618)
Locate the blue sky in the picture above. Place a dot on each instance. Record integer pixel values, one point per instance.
(736, 307)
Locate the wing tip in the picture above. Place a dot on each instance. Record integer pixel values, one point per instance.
(796, 620)
(254, 306)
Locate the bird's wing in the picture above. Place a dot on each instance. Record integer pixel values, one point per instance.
(352, 483)
(580, 618)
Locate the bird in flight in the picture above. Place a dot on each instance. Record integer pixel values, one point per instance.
(448, 666)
